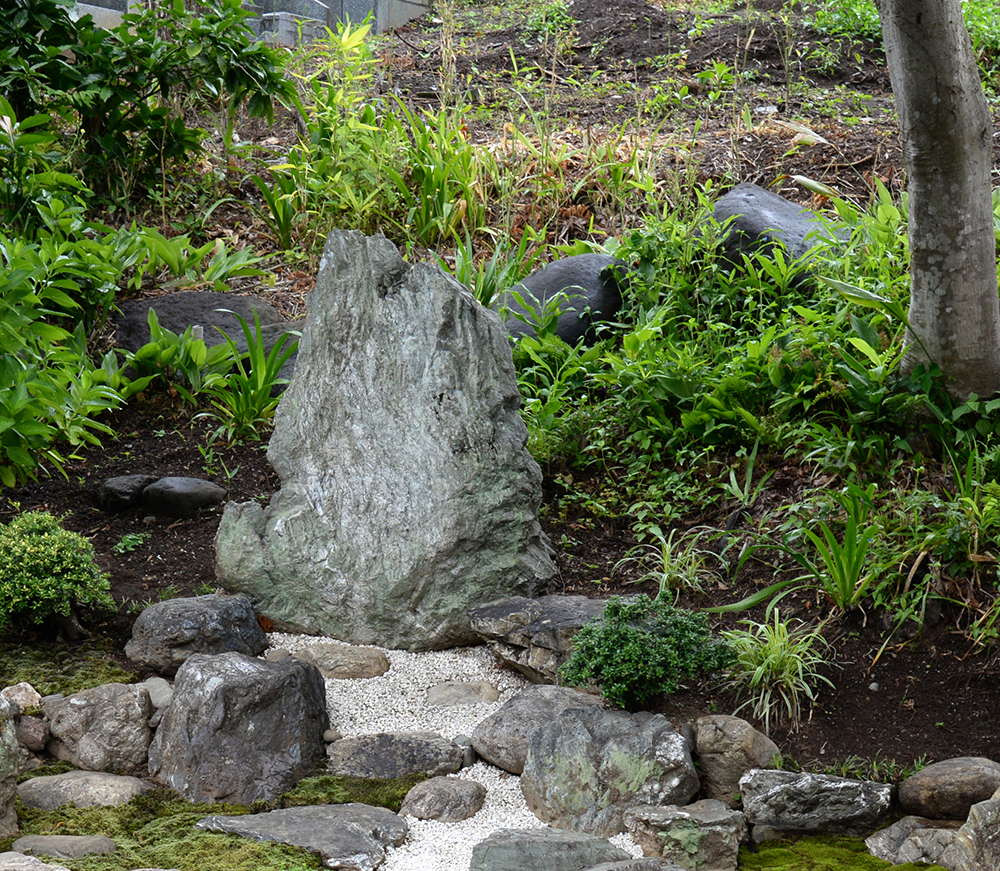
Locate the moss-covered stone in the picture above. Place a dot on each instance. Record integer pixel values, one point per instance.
(818, 854)
(60, 668)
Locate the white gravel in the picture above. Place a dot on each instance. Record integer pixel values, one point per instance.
(396, 702)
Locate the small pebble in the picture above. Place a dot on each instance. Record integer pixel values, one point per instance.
(874, 687)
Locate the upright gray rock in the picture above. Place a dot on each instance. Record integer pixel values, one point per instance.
(977, 845)
(101, 729)
(727, 748)
(239, 729)
(167, 633)
(11, 756)
(588, 766)
(704, 836)
(407, 493)
(913, 839)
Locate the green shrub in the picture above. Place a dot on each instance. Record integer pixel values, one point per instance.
(46, 570)
(641, 647)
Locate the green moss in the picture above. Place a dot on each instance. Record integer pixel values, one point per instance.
(54, 767)
(327, 789)
(60, 668)
(818, 854)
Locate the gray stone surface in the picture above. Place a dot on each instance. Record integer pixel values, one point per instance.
(800, 802)
(11, 758)
(445, 799)
(23, 694)
(82, 788)
(452, 693)
(542, 849)
(727, 748)
(180, 496)
(704, 836)
(407, 493)
(11, 861)
(592, 296)
(64, 846)
(647, 863)
(394, 754)
(350, 837)
(502, 738)
(535, 636)
(161, 691)
(239, 728)
(977, 843)
(101, 729)
(588, 766)
(167, 633)
(913, 839)
(122, 492)
(346, 661)
(33, 733)
(947, 790)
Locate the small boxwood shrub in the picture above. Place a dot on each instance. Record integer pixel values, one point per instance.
(642, 647)
(46, 570)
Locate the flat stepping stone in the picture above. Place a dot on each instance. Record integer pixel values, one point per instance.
(11, 861)
(551, 849)
(345, 661)
(394, 754)
(65, 846)
(82, 788)
(452, 693)
(352, 837)
(445, 799)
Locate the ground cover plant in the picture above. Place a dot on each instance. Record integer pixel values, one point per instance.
(744, 445)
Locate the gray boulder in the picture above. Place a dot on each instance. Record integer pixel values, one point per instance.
(704, 836)
(180, 496)
(407, 493)
(81, 788)
(11, 757)
(350, 837)
(101, 729)
(947, 790)
(161, 692)
(727, 748)
(33, 733)
(502, 738)
(913, 839)
(394, 754)
(804, 803)
(591, 287)
(11, 861)
(977, 843)
(454, 693)
(23, 694)
(588, 766)
(445, 799)
(167, 633)
(123, 492)
(548, 849)
(534, 636)
(239, 729)
(65, 846)
(346, 661)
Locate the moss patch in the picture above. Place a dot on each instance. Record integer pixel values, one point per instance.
(60, 668)
(818, 854)
(327, 789)
(54, 767)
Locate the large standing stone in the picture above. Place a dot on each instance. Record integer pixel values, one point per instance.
(977, 845)
(394, 754)
(588, 766)
(947, 790)
(167, 633)
(549, 849)
(502, 738)
(239, 729)
(535, 636)
(350, 837)
(407, 493)
(804, 803)
(101, 729)
(704, 836)
(81, 788)
(727, 748)
(11, 756)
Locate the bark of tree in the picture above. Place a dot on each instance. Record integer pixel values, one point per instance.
(947, 134)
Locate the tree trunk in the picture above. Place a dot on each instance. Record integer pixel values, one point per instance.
(947, 146)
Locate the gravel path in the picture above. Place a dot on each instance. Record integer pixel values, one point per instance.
(396, 702)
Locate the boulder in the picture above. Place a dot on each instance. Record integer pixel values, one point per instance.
(11, 757)
(913, 839)
(761, 218)
(977, 843)
(351, 837)
(65, 846)
(180, 496)
(727, 748)
(80, 788)
(704, 836)
(453, 693)
(161, 692)
(101, 729)
(534, 636)
(240, 729)
(11, 861)
(803, 803)
(588, 766)
(123, 492)
(548, 849)
(33, 733)
(502, 738)
(346, 661)
(445, 799)
(23, 694)
(591, 287)
(394, 754)
(167, 633)
(947, 790)
(408, 495)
